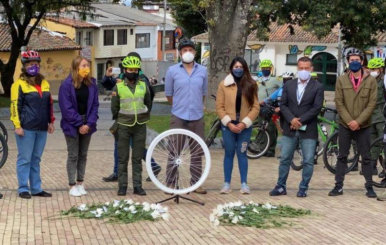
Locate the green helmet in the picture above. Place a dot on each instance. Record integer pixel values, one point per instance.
(375, 63)
(265, 64)
(314, 74)
(131, 62)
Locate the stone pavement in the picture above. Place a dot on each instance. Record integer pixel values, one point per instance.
(348, 219)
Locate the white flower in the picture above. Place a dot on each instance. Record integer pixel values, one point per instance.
(107, 203)
(274, 207)
(117, 212)
(212, 218)
(226, 205)
(231, 204)
(98, 215)
(243, 207)
(134, 212)
(267, 206)
(235, 220)
(129, 201)
(93, 212)
(83, 207)
(99, 211)
(250, 202)
(256, 204)
(220, 210)
(231, 214)
(116, 203)
(145, 204)
(238, 204)
(216, 222)
(255, 210)
(159, 207)
(153, 206)
(215, 211)
(155, 214)
(126, 209)
(121, 206)
(240, 218)
(104, 209)
(165, 216)
(132, 208)
(166, 209)
(146, 208)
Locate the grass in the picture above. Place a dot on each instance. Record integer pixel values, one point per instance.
(4, 102)
(162, 123)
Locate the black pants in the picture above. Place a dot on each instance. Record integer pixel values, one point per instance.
(362, 139)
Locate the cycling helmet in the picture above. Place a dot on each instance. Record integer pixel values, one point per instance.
(30, 55)
(131, 62)
(265, 64)
(135, 54)
(354, 52)
(186, 42)
(288, 74)
(375, 63)
(314, 74)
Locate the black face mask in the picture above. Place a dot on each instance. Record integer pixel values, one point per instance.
(131, 76)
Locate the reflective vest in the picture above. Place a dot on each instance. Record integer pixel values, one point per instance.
(132, 104)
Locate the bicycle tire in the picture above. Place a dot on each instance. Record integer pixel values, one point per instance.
(294, 165)
(252, 153)
(331, 147)
(213, 132)
(380, 160)
(4, 151)
(4, 131)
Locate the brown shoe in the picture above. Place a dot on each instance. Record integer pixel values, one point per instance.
(200, 190)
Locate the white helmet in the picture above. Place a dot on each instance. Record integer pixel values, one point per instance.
(288, 74)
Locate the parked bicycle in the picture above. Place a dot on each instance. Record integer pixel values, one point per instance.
(381, 162)
(214, 129)
(3, 145)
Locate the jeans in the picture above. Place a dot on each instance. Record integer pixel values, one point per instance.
(30, 149)
(154, 165)
(288, 147)
(362, 139)
(77, 148)
(236, 143)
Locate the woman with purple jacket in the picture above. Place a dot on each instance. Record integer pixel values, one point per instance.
(78, 101)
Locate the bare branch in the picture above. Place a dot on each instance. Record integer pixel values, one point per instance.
(33, 27)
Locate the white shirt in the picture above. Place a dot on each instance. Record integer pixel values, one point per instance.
(301, 89)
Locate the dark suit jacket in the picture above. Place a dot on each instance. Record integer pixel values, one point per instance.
(308, 109)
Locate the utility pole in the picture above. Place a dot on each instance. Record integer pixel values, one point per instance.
(164, 33)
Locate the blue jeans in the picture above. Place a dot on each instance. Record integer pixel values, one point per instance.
(236, 143)
(288, 147)
(30, 149)
(153, 163)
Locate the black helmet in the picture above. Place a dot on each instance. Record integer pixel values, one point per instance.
(354, 52)
(185, 42)
(135, 54)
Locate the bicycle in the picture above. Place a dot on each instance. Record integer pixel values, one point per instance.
(3, 131)
(214, 129)
(3, 145)
(381, 162)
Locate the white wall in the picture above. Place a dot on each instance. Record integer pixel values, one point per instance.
(115, 50)
(151, 52)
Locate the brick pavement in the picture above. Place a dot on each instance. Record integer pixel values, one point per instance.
(348, 219)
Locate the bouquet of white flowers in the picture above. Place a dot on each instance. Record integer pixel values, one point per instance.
(254, 214)
(125, 211)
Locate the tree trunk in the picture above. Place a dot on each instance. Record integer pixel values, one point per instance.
(8, 70)
(227, 37)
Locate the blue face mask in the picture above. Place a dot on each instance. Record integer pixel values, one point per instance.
(238, 72)
(266, 73)
(355, 66)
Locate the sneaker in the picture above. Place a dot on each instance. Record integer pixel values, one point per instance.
(245, 189)
(370, 192)
(74, 191)
(302, 193)
(337, 191)
(226, 188)
(278, 191)
(139, 191)
(81, 189)
(42, 194)
(200, 190)
(382, 197)
(112, 178)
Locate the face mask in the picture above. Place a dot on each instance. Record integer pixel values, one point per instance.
(355, 66)
(83, 72)
(131, 76)
(304, 75)
(374, 73)
(266, 73)
(238, 72)
(188, 57)
(33, 70)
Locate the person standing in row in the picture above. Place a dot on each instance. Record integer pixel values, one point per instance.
(237, 106)
(32, 115)
(300, 105)
(78, 101)
(131, 105)
(355, 100)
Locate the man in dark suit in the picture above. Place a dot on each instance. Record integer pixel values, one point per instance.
(300, 104)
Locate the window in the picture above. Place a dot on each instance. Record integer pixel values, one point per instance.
(292, 59)
(79, 37)
(122, 37)
(170, 42)
(131, 31)
(142, 40)
(89, 38)
(108, 37)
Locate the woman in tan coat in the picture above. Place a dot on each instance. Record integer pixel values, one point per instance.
(237, 106)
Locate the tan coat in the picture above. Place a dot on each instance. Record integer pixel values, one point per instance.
(353, 105)
(226, 104)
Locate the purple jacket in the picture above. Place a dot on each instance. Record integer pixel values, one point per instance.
(71, 120)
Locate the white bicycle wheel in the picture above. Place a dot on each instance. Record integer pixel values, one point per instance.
(183, 158)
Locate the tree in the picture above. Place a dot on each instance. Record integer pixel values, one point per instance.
(19, 14)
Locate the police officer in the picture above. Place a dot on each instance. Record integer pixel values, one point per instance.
(130, 106)
(267, 85)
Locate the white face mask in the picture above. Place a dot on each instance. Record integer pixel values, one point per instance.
(188, 57)
(374, 73)
(304, 75)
